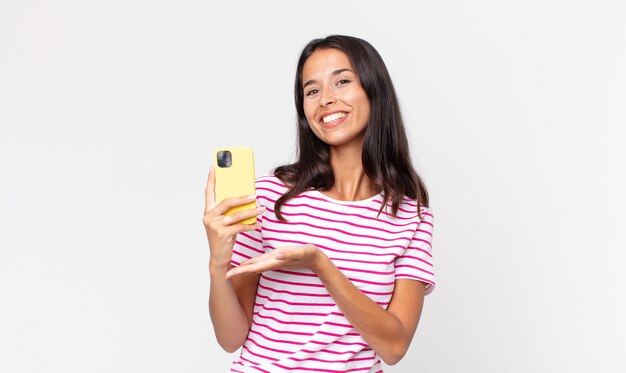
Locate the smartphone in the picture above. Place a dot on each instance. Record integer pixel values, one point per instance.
(234, 177)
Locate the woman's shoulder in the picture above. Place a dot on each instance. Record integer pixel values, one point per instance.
(409, 207)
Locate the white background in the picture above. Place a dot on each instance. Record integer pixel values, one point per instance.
(110, 111)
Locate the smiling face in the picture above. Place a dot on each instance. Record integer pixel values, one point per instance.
(335, 104)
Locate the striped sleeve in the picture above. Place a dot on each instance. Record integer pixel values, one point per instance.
(416, 263)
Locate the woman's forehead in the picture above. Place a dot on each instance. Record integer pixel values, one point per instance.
(325, 62)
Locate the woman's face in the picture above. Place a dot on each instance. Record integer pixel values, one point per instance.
(335, 104)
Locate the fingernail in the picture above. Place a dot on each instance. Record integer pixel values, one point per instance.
(261, 209)
(251, 197)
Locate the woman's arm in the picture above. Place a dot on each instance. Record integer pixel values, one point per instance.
(231, 301)
(389, 332)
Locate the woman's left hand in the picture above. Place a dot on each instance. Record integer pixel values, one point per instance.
(304, 256)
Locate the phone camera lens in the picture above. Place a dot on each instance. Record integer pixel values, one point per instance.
(224, 159)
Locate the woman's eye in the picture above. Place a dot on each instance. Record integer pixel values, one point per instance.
(343, 81)
(311, 92)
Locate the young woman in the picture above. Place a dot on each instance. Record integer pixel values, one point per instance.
(332, 277)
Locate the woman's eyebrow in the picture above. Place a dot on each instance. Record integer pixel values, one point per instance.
(336, 72)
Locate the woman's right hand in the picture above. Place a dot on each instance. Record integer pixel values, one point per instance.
(221, 229)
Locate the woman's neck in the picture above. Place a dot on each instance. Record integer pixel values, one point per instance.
(351, 182)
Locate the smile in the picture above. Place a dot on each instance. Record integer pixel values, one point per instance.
(333, 117)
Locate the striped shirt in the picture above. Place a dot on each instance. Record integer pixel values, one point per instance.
(296, 325)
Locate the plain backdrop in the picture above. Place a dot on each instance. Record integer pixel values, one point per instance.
(110, 112)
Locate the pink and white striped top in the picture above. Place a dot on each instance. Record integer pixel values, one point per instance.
(296, 326)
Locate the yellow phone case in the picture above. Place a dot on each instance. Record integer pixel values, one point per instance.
(236, 180)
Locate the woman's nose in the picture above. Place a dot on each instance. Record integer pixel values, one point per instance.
(327, 100)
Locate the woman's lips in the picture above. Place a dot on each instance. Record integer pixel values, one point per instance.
(340, 118)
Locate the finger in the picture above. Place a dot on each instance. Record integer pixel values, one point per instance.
(229, 203)
(242, 215)
(255, 260)
(209, 192)
(285, 253)
(238, 228)
(252, 265)
(277, 254)
(258, 267)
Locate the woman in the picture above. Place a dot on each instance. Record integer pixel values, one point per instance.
(332, 277)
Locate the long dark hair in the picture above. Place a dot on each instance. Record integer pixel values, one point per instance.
(386, 159)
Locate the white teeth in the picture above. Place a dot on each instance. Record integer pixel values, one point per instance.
(332, 117)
